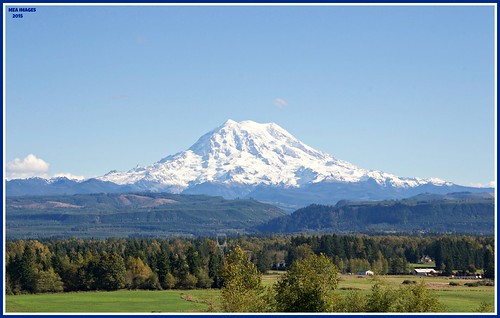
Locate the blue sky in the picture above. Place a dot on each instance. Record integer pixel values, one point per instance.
(403, 89)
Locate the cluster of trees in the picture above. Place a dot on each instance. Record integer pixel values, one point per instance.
(84, 264)
(310, 286)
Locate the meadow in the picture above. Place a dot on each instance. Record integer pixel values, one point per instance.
(456, 299)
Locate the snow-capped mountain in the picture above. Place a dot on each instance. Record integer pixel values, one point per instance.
(249, 159)
(252, 154)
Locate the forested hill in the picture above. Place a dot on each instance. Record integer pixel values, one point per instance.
(131, 215)
(452, 213)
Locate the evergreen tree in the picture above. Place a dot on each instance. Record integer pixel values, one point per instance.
(489, 263)
(163, 267)
(214, 269)
(111, 272)
(193, 260)
(263, 261)
(28, 270)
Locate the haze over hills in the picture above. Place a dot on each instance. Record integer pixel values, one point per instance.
(249, 159)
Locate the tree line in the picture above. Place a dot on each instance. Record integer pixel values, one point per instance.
(180, 263)
(393, 254)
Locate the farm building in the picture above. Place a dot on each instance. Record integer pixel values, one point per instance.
(425, 259)
(424, 271)
(366, 273)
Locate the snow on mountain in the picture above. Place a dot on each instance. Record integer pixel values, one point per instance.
(250, 153)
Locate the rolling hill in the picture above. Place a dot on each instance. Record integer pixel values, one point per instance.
(132, 215)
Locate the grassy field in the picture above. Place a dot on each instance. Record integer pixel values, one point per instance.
(454, 298)
(116, 301)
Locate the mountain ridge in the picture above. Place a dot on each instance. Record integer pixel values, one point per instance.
(134, 214)
(249, 159)
(462, 212)
(151, 214)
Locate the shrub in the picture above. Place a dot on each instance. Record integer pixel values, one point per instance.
(407, 282)
(485, 307)
(480, 283)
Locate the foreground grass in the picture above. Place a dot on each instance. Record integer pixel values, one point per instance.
(455, 299)
(116, 301)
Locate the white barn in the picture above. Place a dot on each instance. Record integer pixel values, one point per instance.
(424, 271)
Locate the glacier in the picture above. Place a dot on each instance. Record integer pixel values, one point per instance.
(253, 154)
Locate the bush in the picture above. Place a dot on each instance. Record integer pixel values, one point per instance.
(349, 288)
(407, 282)
(485, 307)
(413, 297)
(480, 283)
(188, 282)
(416, 298)
(454, 284)
(170, 281)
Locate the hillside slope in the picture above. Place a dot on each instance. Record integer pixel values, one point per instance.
(453, 213)
(132, 215)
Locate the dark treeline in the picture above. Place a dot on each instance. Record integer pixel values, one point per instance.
(392, 254)
(136, 263)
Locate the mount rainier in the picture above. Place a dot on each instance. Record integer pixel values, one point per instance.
(263, 161)
(250, 153)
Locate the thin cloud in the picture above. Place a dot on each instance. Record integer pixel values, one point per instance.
(490, 184)
(280, 102)
(30, 166)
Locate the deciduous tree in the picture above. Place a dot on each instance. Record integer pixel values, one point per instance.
(308, 286)
(243, 290)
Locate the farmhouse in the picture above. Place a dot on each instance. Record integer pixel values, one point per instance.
(425, 259)
(424, 271)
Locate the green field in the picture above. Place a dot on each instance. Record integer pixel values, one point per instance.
(454, 298)
(116, 301)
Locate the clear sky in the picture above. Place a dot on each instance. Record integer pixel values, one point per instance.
(407, 90)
